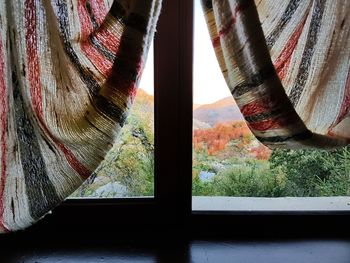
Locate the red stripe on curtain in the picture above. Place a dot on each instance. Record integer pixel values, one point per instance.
(103, 65)
(85, 25)
(35, 85)
(282, 62)
(258, 106)
(275, 123)
(32, 56)
(239, 8)
(99, 10)
(106, 38)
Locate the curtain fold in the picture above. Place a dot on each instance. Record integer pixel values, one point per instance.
(289, 70)
(69, 71)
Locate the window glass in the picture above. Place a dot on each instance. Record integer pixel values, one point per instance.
(128, 170)
(229, 162)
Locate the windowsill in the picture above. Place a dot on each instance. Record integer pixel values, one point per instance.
(216, 203)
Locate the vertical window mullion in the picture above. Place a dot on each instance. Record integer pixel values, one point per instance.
(173, 109)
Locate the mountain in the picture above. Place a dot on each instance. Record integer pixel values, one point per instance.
(204, 116)
(195, 106)
(143, 98)
(224, 110)
(199, 125)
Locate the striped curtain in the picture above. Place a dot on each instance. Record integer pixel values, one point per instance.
(68, 75)
(287, 65)
(69, 71)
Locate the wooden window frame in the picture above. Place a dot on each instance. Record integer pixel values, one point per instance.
(173, 139)
(171, 205)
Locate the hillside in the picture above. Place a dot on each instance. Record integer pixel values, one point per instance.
(128, 168)
(204, 116)
(143, 102)
(224, 110)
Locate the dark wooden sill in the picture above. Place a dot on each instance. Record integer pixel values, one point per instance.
(169, 246)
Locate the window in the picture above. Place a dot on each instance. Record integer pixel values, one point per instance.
(128, 170)
(173, 119)
(171, 200)
(234, 171)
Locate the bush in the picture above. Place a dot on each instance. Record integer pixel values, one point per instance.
(254, 179)
(250, 181)
(314, 172)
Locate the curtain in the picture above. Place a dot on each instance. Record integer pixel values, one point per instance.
(286, 64)
(69, 71)
(68, 75)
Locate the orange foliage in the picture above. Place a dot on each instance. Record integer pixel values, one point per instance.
(261, 152)
(216, 139)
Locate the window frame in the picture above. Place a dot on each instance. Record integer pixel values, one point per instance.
(172, 202)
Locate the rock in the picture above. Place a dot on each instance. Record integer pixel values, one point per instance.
(111, 190)
(206, 176)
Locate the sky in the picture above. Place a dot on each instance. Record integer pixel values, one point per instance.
(208, 82)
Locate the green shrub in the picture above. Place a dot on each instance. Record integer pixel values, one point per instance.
(314, 172)
(252, 179)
